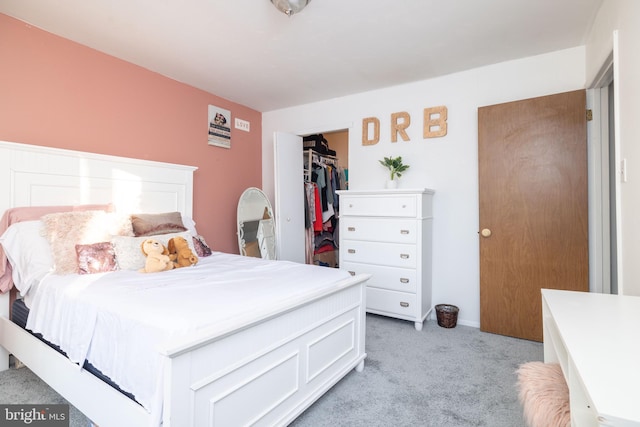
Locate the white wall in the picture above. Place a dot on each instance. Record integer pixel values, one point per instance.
(448, 164)
(623, 16)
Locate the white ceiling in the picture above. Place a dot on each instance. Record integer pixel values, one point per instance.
(249, 52)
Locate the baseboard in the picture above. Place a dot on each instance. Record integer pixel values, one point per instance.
(464, 322)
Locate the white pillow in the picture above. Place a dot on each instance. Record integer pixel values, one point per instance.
(129, 253)
(190, 224)
(28, 252)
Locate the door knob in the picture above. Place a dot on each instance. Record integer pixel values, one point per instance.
(485, 232)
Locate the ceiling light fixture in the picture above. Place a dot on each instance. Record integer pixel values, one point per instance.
(289, 7)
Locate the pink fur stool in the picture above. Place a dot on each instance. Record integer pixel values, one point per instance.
(544, 395)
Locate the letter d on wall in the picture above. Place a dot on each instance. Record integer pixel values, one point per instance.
(367, 124)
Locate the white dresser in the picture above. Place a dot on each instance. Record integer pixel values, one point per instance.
(387, 233)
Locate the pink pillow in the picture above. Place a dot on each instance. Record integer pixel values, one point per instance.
(96, 258)
(154, 224)
(201, 247)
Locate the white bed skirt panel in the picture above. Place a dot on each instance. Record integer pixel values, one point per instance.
(269, 373)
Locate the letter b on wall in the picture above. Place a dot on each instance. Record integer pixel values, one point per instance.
(435, 122)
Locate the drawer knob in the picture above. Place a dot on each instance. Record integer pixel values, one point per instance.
(404, 304)
(351, 229)
(404, 280)
(404, 231)
(350, 205)
(353, 273)
(404, 256)
(404, 206)
(351, 251)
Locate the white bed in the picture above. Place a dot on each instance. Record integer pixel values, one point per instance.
(260, 364)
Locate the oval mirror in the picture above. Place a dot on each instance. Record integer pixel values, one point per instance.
(256, 225)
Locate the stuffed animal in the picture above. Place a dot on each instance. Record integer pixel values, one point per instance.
(180, 252)
(157, 257)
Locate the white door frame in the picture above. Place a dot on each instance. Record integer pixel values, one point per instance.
(600, 256)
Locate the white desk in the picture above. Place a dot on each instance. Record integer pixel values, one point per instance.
(596, 340)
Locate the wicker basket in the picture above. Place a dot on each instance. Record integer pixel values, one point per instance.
(447, 315)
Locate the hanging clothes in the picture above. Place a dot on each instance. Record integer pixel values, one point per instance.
(323, 177)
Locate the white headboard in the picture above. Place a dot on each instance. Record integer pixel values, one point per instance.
(31, 175)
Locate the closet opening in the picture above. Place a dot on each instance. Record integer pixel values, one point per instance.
(326, 170)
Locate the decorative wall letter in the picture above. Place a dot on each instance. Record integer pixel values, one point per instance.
(365, 131)
(399, 128)
(439, 122)
(434, 125)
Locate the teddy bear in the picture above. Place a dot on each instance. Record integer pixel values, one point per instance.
(180, 252)
(157, 257)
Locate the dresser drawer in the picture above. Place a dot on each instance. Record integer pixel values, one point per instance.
(391, 254)
(379, 229)
(398, 279)
(391, 302)
(400, 205)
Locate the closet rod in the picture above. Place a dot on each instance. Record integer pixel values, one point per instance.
(321, 158)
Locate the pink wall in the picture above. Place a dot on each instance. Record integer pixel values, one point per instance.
(58, 93)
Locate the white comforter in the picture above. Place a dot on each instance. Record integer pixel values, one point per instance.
(124, 321)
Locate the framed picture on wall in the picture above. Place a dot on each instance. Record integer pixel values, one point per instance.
(219, 127)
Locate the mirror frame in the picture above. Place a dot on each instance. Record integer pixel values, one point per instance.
(253, 205)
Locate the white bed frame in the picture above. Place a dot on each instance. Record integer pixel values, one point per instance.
(263, 370)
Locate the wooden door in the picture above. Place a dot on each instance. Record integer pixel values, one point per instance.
(533, 208)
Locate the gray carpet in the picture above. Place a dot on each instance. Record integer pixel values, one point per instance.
(437, 377)
(21, 386)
